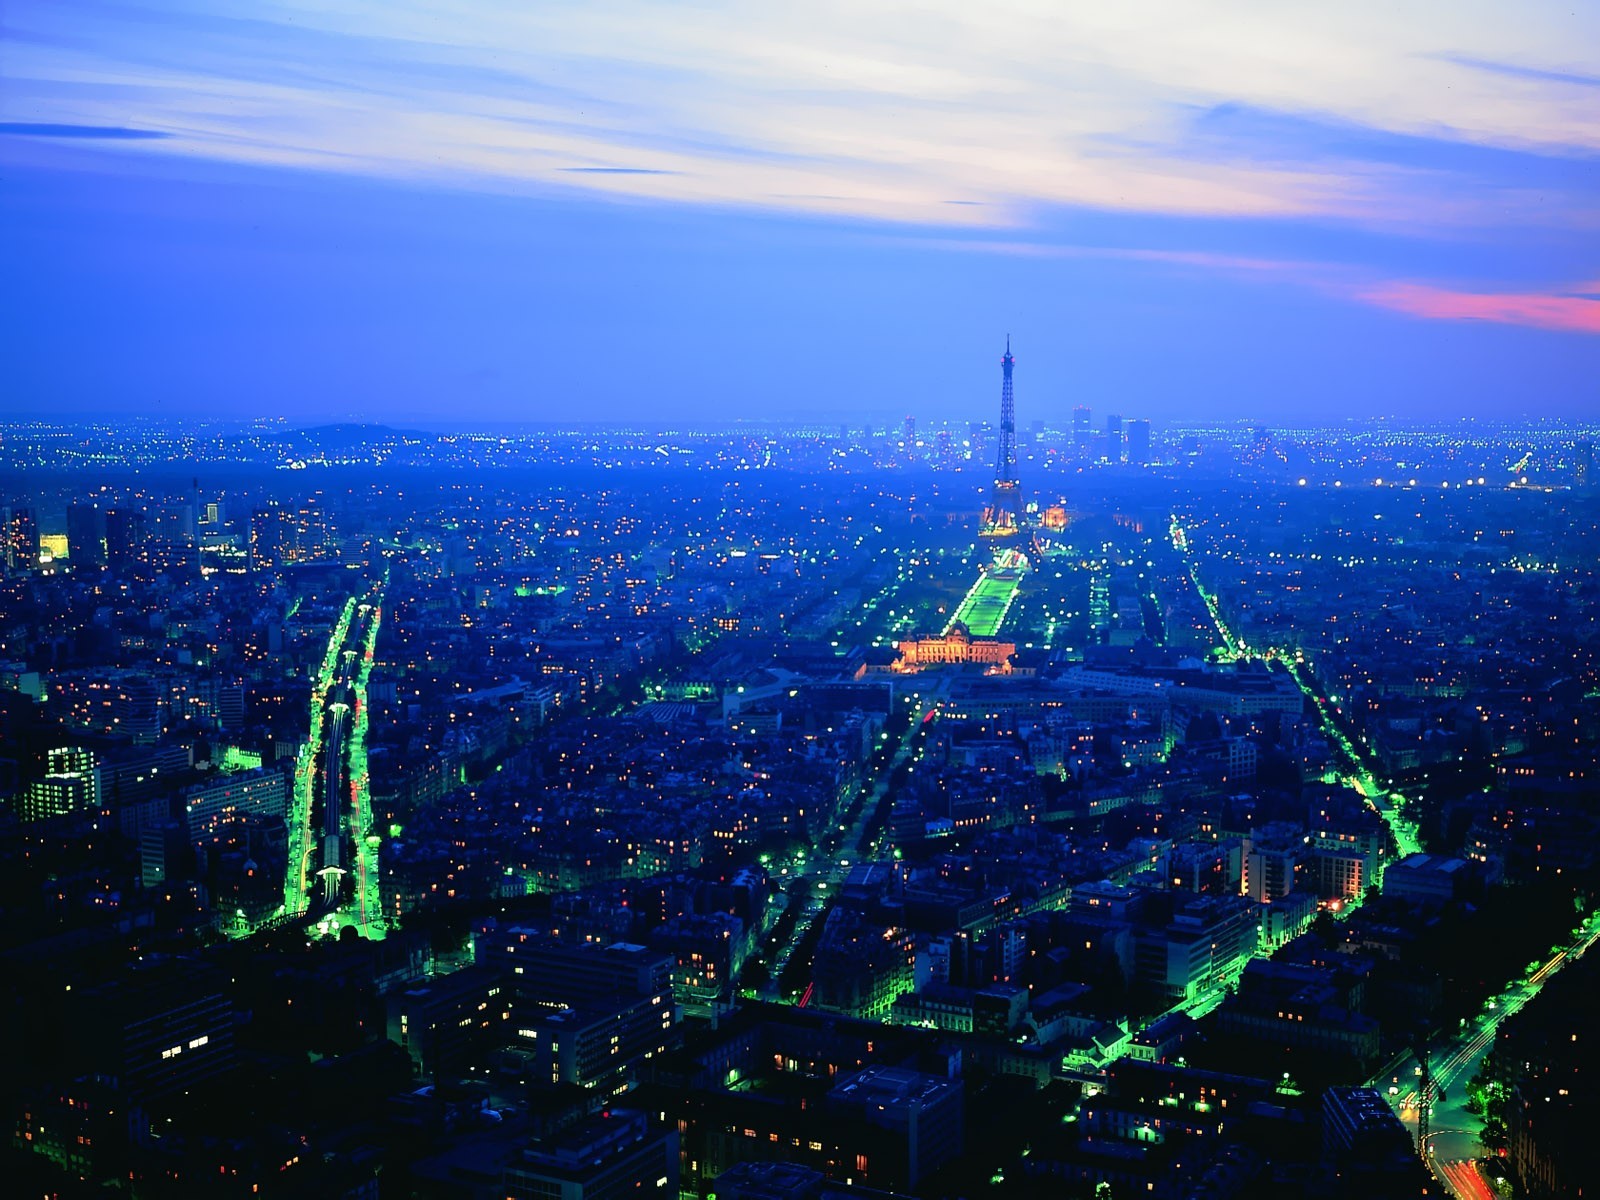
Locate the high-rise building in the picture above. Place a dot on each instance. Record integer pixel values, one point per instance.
(1138, 441)
(127, 532)
(908, 436)
(86, 535)
(267, 526)
(21, 547)
(70, 784)
(1082, 426)
(1583, 468)
(1114, 438)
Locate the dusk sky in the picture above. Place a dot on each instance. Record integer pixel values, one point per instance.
(543, 211)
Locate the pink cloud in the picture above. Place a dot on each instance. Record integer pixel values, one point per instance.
(1568, 311)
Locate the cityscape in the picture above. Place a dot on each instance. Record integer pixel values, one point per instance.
(849, 601)
(1059, 806)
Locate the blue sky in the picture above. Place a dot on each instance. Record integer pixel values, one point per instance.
(663, 212)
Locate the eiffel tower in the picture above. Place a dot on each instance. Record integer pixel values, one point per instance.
(1002, 516)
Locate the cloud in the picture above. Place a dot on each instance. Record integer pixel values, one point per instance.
(1020, 104)
(49, 130)
(1567, 312)
(613, 171)
(1576, 78)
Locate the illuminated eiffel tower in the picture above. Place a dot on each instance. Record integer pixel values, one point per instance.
(1002, 516)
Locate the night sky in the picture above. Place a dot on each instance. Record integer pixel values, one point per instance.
(652, 212)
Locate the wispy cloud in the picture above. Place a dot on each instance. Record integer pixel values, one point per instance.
(1516, 71)
(1017, 104)
(46, 129)
(613, 171)
(1567, 312)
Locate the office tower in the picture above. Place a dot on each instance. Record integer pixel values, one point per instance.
(1583, 469)
(267, 525)
(1082, 429)
(909, 434)
(1001, 515)
(86, 535)
(1138, 441)
(21, 539)
(70, 784)
(1114, 438)
(127, 532)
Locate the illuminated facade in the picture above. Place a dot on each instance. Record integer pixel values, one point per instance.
(70, 784)
(956, 647)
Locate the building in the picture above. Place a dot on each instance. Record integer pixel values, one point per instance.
(127, 536)
(1206, 942)
(157, 1031)
(955, 647)
(70, 784)
(862, 968)
(1082, 427)
(268, 532)
(616, 1154)
(1114, 447)
(86, 535)
(1138, 431)
(556, 973)
(21, 538)
(1427, 879)
(1296, 1005)
(920, 1114)
(594, 1044)
(232, 799)
(1269, 872)
(445, 1022)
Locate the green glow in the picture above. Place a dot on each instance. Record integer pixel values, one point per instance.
(983, 609)
(236, 759)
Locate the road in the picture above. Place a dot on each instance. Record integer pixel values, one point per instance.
(837, 851)
(1453, 1137)
(330, 781)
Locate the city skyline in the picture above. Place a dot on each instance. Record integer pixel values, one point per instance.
(713, 213)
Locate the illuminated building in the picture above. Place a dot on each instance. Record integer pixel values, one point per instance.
(70, 784)
(597, 1044)
(267, 525)
(956, 647)
(1082, 427)
(1113, 438)
(448, 1019)
(862, 968)
(21, 539)
(210, 807)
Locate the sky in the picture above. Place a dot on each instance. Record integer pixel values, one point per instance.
(656, 212)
